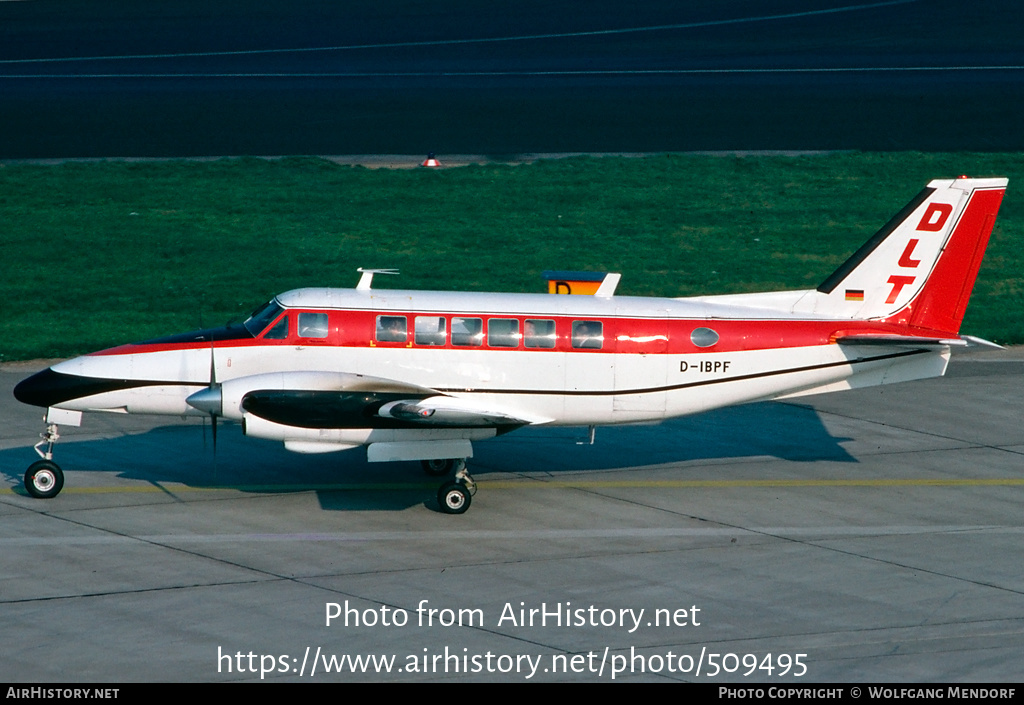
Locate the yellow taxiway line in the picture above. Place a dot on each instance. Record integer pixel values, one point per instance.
(531, 483)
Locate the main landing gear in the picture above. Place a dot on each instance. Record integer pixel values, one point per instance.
(455, 495)
(44, 478)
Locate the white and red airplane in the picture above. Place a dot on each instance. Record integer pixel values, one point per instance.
(420, 375)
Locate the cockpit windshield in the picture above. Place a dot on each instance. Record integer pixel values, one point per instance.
(262, 317)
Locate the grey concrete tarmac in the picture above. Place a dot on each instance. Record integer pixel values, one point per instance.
(877, 533)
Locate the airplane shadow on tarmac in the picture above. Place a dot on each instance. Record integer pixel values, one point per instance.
(183, 453)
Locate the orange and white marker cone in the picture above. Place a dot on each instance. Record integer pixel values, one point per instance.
(431, 160)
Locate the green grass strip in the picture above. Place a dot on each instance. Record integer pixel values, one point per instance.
(101, 253)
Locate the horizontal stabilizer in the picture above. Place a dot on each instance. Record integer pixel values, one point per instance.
(895, 340)
(898, 340)
(976, 342)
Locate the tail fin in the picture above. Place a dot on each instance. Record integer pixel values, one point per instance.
(920, 268)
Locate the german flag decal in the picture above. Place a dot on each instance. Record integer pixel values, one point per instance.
(854, 294)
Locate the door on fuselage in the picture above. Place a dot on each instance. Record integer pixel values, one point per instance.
(640, 368)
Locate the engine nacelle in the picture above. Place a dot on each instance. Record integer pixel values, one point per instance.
(225, 398)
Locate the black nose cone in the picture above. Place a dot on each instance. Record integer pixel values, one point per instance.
(49, 388)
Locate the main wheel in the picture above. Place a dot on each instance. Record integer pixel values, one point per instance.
(44, 479)
(438, 467)
(454, 498)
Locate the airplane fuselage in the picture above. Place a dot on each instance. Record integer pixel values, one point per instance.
(646, 359)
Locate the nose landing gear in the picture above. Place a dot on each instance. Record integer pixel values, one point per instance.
(44, 479)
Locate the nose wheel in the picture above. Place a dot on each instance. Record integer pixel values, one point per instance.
(44, 478)
(455, 496)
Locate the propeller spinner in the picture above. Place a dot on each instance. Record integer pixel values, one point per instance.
(210, 399)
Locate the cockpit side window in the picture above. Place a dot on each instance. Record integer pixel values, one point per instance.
(279, 331)
(262, 317)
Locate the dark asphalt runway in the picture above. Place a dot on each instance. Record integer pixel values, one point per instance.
(81, 78)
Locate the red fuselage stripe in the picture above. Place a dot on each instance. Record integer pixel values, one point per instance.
(356, 329)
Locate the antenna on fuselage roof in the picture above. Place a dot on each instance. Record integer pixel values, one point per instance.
(367, 279)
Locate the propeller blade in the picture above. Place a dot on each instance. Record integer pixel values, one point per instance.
(213, 366)
(214, 387)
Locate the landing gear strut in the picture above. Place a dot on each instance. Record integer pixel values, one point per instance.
(455, 495)
(44, 478)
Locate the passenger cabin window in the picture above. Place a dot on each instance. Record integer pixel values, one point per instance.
(279, 331)
(587, 335)
(312, 325)
(503, 333)
(392, 329)
(539, 333)
(467, 331)
(430, 330)
(703, 337)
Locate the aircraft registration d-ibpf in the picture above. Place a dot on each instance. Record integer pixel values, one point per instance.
(420, 375)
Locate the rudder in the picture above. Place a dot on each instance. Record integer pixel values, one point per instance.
(942, 303)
